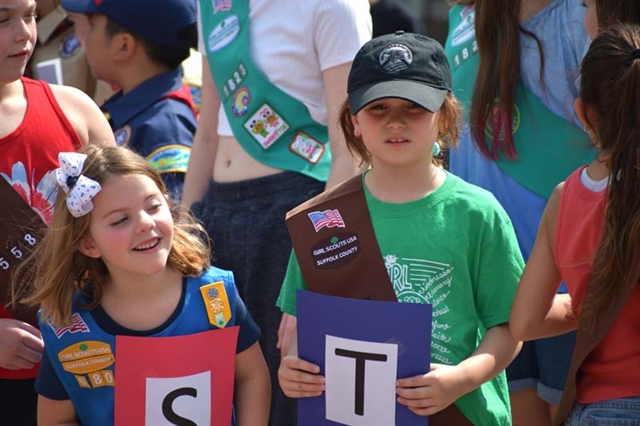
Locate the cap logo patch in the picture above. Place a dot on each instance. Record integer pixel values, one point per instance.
(395, 58)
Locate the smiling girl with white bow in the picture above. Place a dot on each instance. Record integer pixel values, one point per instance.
(116, 263)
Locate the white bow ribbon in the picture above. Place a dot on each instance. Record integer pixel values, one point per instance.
(80, 189)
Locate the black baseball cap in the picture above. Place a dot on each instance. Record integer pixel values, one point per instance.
(401, 65)
(159, 20)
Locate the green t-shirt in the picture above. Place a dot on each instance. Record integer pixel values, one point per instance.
(455, 249)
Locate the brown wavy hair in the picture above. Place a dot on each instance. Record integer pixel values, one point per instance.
(612, 12)
(59, 270)
(449, 121)
(498, 29)
(610, 85)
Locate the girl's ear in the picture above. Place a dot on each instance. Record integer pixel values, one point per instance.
(88, 248)
(356, 126)
(583, 113)
(587, 117)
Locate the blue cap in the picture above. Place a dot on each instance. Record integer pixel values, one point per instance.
(158, 20)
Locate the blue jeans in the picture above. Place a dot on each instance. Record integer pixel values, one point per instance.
(612, 412)
(543, 365)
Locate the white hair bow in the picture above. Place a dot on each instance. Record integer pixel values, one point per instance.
(80, 189)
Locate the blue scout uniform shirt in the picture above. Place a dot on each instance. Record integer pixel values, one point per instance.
(157, 120)
(95, 404)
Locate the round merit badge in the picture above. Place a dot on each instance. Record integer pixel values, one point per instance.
(69, 46)
(122, 135)
(240, 102)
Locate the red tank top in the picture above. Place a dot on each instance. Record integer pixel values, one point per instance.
(612, 370)
(29, 158)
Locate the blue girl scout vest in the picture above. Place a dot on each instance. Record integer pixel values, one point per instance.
(271, 126)
(84, 356)
(549, 148)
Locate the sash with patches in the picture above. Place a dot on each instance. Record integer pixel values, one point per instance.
(272, 126)
(338, 254)
(549, 148)
(336, 247)
(20, 230)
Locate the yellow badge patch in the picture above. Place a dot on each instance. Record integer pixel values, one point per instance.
(86, 357)
(216, 303)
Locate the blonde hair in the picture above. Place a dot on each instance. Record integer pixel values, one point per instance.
(57, 268)
(450, 116)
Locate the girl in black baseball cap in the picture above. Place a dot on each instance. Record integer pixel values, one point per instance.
(443, 241)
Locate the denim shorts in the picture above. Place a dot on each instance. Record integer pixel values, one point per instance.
(542, 365)
(612, 412)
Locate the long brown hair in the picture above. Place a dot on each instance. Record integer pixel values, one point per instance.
(610, 85)
(59, 269)
(612, 12)
(498, 29)
(450, 116)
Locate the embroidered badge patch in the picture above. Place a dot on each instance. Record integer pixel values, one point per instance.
(515, 121)
(465, 31)
(88, 362)
(216, 303)
(336, 251)
(234, 81)
(395, 58)
(196, 94)
(69, 46)
(77, 326)
(307, 147)
(266, 126)
(240, 102)
(224, 33)
(221, 5)
(326, 219)
(170, 159)
(122, 135)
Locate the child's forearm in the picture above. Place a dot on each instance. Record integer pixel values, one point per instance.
(496, 351)
(252, 401)
(558, 320)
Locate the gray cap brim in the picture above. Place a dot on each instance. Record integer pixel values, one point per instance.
(426, 96)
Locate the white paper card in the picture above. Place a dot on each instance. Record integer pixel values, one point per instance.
(50, 71)
(179, 400)
(360, 381)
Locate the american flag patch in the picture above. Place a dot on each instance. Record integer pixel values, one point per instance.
(77, 326)
(327, 218)
(219, 5)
